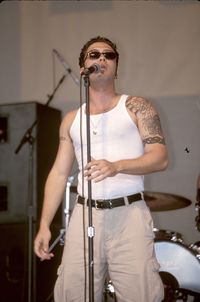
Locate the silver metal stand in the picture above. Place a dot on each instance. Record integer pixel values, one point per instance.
(67, 199)
(60, 238)
(91, 229)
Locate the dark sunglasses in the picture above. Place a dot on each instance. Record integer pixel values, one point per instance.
(94, 54)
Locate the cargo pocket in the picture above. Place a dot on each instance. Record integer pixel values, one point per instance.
(59, 285)
(157, 288)
(155, 265)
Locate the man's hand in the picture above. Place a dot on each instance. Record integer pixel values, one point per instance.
(41, 244)
(98, 170)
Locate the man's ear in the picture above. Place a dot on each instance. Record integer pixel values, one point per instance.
(81, 70)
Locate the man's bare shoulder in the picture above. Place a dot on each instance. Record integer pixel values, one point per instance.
(69, 116)
(66, 124)
(137, 103)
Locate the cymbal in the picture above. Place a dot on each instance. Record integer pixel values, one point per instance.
(158, 201)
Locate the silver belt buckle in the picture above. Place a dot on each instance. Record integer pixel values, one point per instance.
(110, 203)
(96, 203)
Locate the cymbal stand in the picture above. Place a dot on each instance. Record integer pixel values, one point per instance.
(197, 208)
(197, 219)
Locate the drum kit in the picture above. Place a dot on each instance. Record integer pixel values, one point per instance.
(179, 263)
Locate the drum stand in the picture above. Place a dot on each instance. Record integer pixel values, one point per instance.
(109, 291)
(183, 295)
(180, 294)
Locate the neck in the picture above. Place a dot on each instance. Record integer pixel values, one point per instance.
(102, 99)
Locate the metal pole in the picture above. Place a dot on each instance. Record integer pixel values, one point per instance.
(90, 226)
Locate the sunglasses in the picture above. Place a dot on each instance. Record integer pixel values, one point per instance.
(95, 54)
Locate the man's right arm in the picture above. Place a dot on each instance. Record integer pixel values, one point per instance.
(55, 187)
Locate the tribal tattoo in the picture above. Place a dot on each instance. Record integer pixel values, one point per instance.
(148, 118)
(62, 138)
(154, 140)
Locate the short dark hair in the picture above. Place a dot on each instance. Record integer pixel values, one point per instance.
(94, 40)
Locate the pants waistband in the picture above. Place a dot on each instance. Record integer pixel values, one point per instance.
(111, 203)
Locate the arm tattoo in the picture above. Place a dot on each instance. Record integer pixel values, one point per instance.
(152, 125)
(153, 140)
(147, 118)
(62, 138)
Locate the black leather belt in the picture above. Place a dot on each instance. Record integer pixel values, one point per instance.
(111, 203)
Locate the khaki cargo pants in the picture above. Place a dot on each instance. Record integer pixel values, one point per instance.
(123, 246)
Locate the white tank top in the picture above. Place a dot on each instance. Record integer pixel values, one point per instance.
(113, 136)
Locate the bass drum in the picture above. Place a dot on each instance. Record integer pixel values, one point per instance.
(181, 262)
(167, 235)
(196, 248)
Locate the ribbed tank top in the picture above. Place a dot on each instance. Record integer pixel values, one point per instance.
(113, 136)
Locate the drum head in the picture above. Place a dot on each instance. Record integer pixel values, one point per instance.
(181, 262)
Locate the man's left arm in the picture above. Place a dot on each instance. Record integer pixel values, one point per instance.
(155, 158)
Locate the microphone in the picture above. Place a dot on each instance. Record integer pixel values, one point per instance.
(66, 66)
(93, 68)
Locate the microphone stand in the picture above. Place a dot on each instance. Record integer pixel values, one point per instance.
(28, 138)
(90, 227)
(27, 134)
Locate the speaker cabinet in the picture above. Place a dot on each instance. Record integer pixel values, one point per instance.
(18, 165)
(13, 262)
(28, 145)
